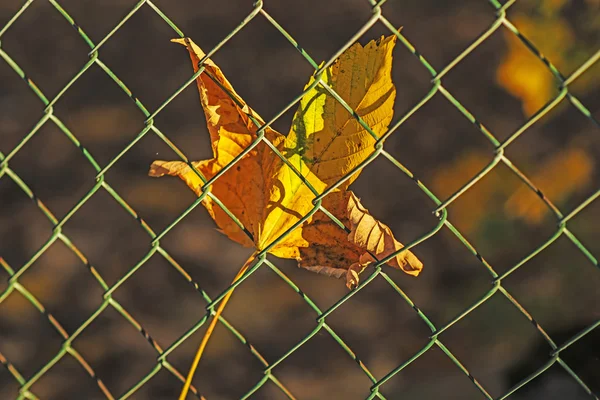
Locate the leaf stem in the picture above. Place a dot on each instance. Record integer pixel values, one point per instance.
(211, 327)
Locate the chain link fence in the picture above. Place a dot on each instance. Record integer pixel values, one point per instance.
(26, 382)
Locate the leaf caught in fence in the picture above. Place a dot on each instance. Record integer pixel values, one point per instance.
(325, 143)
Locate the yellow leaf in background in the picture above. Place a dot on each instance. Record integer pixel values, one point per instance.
(550, 7)
(325, 143)
(558, 177)
(521, 72)
(470, 210)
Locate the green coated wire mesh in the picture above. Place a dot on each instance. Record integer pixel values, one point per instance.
(259, 10)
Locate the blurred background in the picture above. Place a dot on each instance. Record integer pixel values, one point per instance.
(501, 83)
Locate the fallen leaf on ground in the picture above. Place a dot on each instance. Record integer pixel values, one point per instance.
(325, 143)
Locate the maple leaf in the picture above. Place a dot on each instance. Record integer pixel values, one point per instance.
(559, 177)
(324, 144)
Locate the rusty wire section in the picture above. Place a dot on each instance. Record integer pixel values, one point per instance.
(438, 207)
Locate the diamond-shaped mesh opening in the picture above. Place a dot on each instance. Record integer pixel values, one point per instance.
(83, 293)
(562, 166)
(23, 319)
(419, 381)
(52, 53)
(97, 18)
(143, 291)
(570, 284)
(67, 171)
(29, 228)
(379, 312)
(329, 360)
(420, 142)
(105, 122)
(480, 83)
(279, 72)
(155, 57)
(460, 279)
(343, 20)
(19, 108)
(187, 124)
(129, 352)
(449, 28)
(319, 367)
(252, 311)
(67, 380)
(486, 346)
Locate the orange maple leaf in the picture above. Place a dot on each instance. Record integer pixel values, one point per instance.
(325, 143)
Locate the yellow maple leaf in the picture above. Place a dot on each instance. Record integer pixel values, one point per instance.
(521, 72)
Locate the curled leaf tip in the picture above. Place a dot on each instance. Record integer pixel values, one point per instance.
(157, 169)
(352, 278)
(177, 168)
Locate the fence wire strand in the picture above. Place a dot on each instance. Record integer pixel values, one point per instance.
(438, 207)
